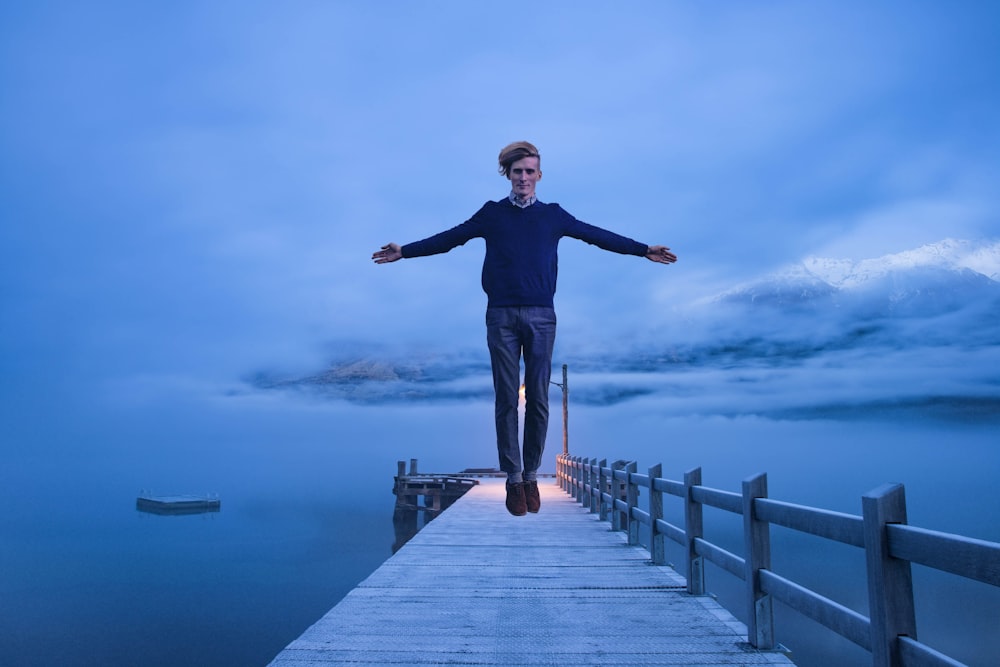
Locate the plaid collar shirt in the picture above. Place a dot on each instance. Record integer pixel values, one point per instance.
(521, 202)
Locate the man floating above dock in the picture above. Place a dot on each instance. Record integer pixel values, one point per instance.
(519, 277)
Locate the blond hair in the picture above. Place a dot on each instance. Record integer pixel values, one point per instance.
(511, 153)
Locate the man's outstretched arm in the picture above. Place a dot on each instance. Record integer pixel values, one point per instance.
(658, 253)
(390, 252)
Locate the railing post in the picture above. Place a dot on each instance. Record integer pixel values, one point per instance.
(602, 484)
(693, 529)
(757, 541)
(572, 477)
(402, 486)
(592, 480)
(657, 549)
(404, 515)
(578, 478)
(616, 514)
(890, 582)
(569, 477)
(632, 500)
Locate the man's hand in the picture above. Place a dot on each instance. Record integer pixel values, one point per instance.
(390, 252)
(660, 254)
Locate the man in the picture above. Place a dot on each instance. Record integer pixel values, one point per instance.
(519, 277)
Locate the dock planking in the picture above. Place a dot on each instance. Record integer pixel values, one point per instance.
(477, 586)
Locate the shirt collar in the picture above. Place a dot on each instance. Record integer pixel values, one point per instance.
(521, 202)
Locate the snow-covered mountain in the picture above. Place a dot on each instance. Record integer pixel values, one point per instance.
(949, 254)
(934, 278)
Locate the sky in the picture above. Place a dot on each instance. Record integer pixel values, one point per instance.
(194, 189)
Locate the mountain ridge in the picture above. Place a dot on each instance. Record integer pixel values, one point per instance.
(933, 278)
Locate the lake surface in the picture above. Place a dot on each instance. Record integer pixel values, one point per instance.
(307, 505)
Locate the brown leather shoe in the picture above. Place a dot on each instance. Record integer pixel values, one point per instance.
(532, 501)
(515, 499)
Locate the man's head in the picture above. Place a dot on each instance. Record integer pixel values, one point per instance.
(521, 163)
(511, 153)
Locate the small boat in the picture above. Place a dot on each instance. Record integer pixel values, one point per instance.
(177, 504)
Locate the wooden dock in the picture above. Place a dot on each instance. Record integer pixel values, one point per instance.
(480, 587)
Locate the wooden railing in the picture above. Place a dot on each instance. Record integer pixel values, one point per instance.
(890, 547)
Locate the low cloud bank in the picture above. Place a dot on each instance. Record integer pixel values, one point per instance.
(869, 355)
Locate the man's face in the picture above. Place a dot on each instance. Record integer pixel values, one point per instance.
(524, 174)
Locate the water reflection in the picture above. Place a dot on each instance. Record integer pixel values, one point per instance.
(308, 514)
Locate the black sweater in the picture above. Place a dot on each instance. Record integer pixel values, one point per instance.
(521, 261)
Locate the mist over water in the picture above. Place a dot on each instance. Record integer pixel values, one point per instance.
(305, 483)
(89, 580)
(301, 445)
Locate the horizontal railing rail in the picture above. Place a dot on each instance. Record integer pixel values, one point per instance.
(890, 546)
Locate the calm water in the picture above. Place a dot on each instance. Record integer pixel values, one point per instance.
(307, 504)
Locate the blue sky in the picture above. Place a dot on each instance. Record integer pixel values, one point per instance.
(197, 187)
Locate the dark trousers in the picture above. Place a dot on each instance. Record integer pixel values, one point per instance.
(513, 332)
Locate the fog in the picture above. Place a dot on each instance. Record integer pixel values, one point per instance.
(305, 484)
(190, 196)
